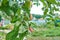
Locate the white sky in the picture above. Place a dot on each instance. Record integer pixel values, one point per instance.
(37, 9)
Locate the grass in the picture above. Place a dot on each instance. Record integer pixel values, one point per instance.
(43, 38)
(46, 32)
(2, 36)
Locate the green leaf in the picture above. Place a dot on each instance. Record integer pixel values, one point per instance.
(14, 8)
(19, 11)
(13, 34)
(4, 2)
(26, 6)
(0, 18)
(45, 12)
(44, 3)
(22, 35)
(52, 1)
(56, 9)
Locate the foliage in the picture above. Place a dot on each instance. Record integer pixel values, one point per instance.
(0, 18)
(13, 13)
(13, 34)
(49, 6)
